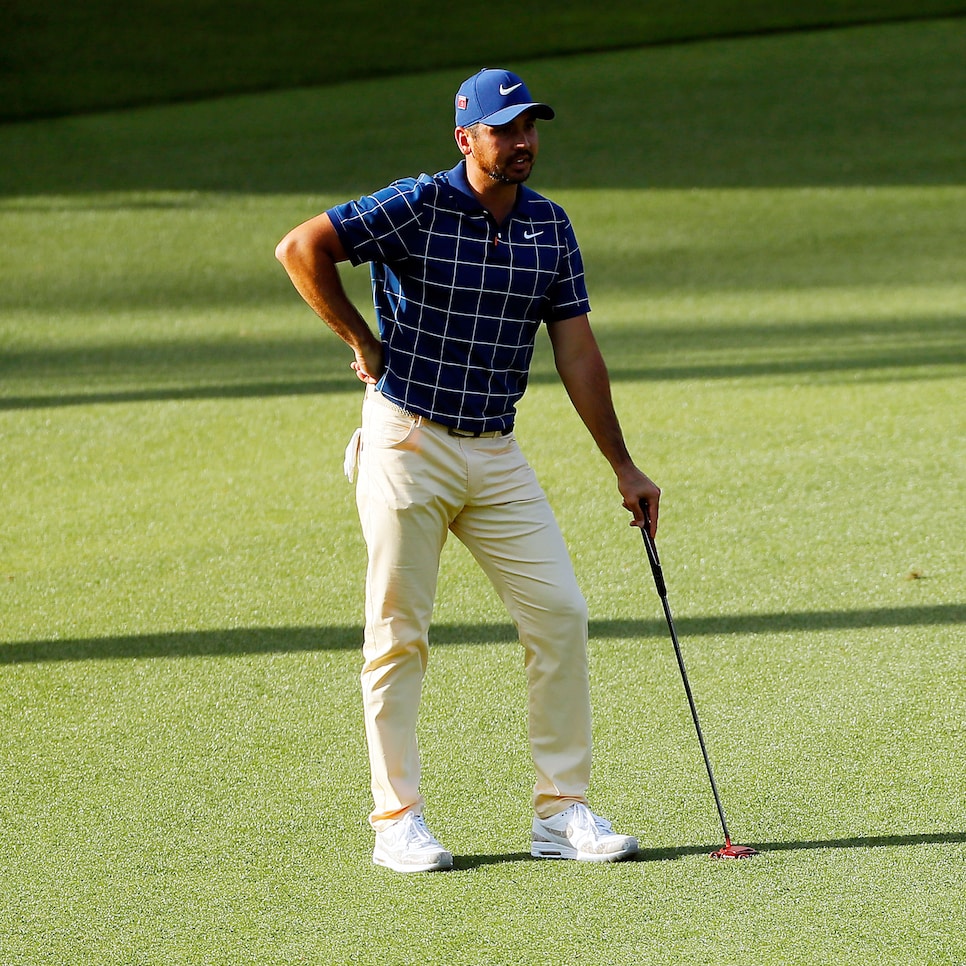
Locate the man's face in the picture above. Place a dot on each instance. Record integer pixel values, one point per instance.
(506, 154)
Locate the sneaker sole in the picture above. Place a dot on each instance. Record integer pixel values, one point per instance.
(442, 863)
(550, 850)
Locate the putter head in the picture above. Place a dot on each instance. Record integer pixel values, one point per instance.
(734, 852)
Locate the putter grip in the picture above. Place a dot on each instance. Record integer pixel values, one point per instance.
(655, 563)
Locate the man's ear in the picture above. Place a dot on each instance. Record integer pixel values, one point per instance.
(463, 141)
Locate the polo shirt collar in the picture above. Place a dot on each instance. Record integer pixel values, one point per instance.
(458, 180)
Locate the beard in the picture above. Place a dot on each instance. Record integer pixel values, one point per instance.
(502, 174)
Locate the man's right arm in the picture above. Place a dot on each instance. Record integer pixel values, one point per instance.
(310, 254)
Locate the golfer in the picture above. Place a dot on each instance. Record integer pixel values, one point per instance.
(466, 265)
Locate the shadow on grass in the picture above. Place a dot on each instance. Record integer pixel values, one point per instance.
(247, 390)
(466, 863)
(297, 367)
(291, 640)
(856, 842)
(881, 108)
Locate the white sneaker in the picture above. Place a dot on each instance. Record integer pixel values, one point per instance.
(408, 846)
(577, 833)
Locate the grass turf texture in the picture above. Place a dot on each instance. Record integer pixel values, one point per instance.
(776, 265)
(60, 57)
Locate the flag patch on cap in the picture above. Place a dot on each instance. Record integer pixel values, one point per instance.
(461, 102)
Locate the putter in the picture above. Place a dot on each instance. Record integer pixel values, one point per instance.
(729, 851)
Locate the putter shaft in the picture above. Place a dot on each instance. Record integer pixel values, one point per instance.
(729, 851)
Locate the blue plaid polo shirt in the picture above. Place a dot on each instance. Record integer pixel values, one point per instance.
(458, 299)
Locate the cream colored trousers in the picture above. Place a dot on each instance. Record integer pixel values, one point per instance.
(417, 483)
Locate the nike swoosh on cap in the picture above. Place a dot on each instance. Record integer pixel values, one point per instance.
(509, 90)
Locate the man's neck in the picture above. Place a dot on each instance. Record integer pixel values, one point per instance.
(496, 197)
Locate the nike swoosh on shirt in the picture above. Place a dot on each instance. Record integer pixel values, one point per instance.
(532, 234)
(509, 90)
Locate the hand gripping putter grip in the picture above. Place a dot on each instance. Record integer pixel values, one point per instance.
(729, 851)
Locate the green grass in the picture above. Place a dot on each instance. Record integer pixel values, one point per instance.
(777, 273)
(60, 57)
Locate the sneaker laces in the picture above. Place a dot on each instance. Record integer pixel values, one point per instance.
(418, 834)
(585, 819)
(602, 824)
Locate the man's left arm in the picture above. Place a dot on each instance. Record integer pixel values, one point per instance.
(584, 374)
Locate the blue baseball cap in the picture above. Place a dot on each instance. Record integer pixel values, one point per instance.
(494, 97)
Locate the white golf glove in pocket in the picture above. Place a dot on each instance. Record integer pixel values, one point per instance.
(351, 461)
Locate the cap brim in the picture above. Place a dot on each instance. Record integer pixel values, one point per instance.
(507, 114)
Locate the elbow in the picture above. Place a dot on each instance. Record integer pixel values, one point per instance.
(296, 253)
(285, 249)
(307, 244)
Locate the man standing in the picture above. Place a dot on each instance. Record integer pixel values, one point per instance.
(466, 265)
